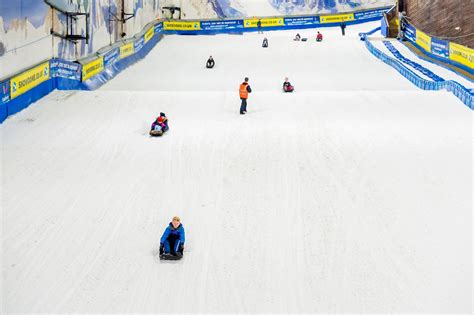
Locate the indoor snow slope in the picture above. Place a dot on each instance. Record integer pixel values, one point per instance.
(352, 194)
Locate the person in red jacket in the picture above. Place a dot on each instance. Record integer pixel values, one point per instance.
(244, 91)
(319, 37)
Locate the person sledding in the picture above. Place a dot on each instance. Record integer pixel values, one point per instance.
(210, 63)
(287, 87)
(319, 37)
(159, 126)
(265, 43)
(297, 37)
(172, 241)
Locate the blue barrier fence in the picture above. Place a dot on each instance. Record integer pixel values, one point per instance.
(411, 63)
(466, 96)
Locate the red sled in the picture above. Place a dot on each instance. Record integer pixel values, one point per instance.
(289, 88)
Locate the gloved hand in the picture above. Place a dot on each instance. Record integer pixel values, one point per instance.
(162, 248)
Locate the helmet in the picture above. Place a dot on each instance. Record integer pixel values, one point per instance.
(246, 79)
(162, 114)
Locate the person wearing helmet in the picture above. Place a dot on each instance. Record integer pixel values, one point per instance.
(172, 241)
(287, 87)
(244, 91)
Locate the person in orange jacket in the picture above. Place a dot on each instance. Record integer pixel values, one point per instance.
(244, 91)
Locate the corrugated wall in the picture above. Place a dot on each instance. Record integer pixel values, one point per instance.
(443, 18)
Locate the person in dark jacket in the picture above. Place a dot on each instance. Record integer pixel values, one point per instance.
(265, 43)
(210, 63)
(259, 26)
(244, 91)
(172, 241)
(297, 37)
(343, 28)
(287, 87)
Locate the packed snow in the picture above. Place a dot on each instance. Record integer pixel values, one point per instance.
(353, 194)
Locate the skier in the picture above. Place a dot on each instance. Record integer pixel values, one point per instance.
(319, 37)
(172, 241)
(244, 91)
(210, 63)
(265, 43)
(343, 28)
(287, 87)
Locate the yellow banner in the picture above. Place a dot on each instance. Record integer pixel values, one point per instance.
(423, 40)
(269, 22)
(149, 34)
(126, 50)
(181, 26)
(337, 18)
(92, 68)
(461, 54)
(29, 79)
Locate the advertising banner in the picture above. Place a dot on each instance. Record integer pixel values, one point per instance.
(92, 68)
(461, 54)
(181, 26)
(302, 20)
(410, 32)
(29, 79)
(149, 34)
(138, 44)
(4, 92)
(423, 40)
(336, 18)
(111, 57)
(65, 69)
(364, 15)
(266, 22)
(126, 50)
(440, 47)
(221, 25)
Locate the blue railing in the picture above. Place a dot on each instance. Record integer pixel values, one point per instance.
(462, 93)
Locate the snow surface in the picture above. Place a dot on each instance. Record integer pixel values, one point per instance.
(352, 194)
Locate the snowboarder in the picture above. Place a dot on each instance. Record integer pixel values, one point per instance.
(172, 241)
(265, 43)
(159, 126)
(287, 87)
(210, 63)
(244, 91)
(319, 37)
(343, 28)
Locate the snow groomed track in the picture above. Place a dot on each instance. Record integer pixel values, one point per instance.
(351, 195)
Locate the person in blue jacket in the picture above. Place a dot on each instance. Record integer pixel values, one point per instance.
(172, 241)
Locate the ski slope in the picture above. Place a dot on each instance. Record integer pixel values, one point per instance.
(352, 194)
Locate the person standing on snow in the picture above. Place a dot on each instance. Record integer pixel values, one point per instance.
(172, 241)
(244, 91)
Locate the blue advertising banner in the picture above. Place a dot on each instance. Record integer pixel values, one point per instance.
(65, 69)
(138, 44)
(439, 47)
(369, 14)
(221, 25)
(158, 28)
(111, 56)
(302, 20)
(4, 92)
(410, 32)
